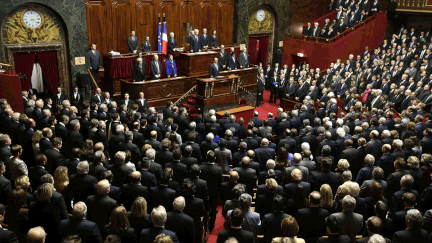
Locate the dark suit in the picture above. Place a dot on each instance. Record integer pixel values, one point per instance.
(82, 186)
(311, 222)
(241, 235)
(156, 69)
(318, 178)
(146, 46)
(138, 73)
(214, 70)
(148, 235)
(248, 177)
(212, 174)
(182, 224)
(35, 173)
(133, 44)
(54, 159)
(99, 208)
(263, 154)
(95, 61)
(172, 44)
(411, 235)
(87, 230)
(162, 195)
(141, 105)
(270, 226)
(5, 189)
(129, 192)
(8, 236)
(120, 172)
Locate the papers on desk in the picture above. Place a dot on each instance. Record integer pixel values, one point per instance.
(140, 82)
(220, 76)
(176, 78)
(114, 53)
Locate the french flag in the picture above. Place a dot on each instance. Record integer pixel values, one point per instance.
(164, 40)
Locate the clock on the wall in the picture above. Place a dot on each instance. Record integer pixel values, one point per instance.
(32, 19)
(260, 15)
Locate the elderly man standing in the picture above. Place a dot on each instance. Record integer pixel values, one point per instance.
(179, 222)
(158, 217)
(352, 223)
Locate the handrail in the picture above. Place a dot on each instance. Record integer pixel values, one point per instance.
(185, 95)
(367, 20)
(93, 78)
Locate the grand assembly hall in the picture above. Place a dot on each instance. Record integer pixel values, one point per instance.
(215, 121)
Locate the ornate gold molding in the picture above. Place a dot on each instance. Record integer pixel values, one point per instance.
(266, 24)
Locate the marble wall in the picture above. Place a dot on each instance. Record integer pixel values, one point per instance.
(243, 10)
(73, 15)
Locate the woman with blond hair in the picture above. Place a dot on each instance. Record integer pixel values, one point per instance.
(138, 217)
(35, 142)
(290, 228)
(163, 238)
(88, 151)
(327, 201)
(119, 225)
(23, 182)
(61, 184)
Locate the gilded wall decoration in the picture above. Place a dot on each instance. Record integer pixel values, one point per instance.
(261, 20)
(31, 24)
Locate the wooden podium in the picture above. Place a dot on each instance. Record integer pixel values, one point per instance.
(218, 93)
(288, 105)
(195, 64)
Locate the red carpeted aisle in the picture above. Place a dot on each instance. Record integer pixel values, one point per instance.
(266, 107)
(220, 220)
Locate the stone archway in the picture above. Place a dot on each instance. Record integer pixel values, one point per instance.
(21, 34)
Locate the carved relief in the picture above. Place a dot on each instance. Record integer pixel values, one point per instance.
(257, 24)
(31, 24)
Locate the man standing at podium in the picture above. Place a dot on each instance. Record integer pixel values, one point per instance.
(222, 57)
(133, 43)
(172, 43)
(214, 70)
(244, 60)
(232, 62)
(194, 42)
(170, 66)
(146, 45)
(95, 62)
(139, 70)
(155, 67)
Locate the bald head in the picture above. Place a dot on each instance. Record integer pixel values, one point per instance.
(234, 176)
(135, 177)
(314, 199)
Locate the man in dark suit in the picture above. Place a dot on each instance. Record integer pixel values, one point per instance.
(311, 220)
(76, 98)
(242, 236)
(5, 184)
(54, 157)
(271, 222)
(413, 233)
(232, 61)
(77, 224)
(194, 42)
(261, 82)
(132, 190)
(120, 171)
(142, 102)
(100, 205)
(133, 43)
(214, 69)
(325, 176)
(172, 43)
(352, 223)
(393, 180)
(158, 217)
(5, 234)
(139, 70)
(82, 184)
(148, 179)
(257, 122)
(97, 168)
(341, 27)
(95, 61)
(264, 153)
(244, 59)
(161, 194)
(128, 145)
(180, 169)
(59, 97)
(181, 223)
(204, 40)
(35, 173)
(373, 226)
(74, 138)
(212, 174)
(146, 45)
(333, 225)
(248, 176)
(156, 68)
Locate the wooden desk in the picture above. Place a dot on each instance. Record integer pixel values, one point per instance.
(248, 77)
(218, 93)
(288, 105)
(245, 111)
(158, 92)
(195, 64)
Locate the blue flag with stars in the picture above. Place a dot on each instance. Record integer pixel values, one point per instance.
(159, 38)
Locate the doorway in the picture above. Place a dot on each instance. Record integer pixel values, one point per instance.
(258, 49)
(39, 70)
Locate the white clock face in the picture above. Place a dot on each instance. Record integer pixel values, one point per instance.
(32, 19)
(260, 15)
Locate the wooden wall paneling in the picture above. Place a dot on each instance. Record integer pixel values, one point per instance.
(122, 24)
(225, 10)
(145, 21)
(206, 15)
(186, 14)
(171, 10)
(97, 26)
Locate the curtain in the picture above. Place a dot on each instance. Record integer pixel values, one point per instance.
(48, 62)
(24, 64)
(37, 78)
(263, 42)
(253, 50)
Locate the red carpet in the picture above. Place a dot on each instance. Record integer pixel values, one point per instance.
(266, 107)
(220, 220)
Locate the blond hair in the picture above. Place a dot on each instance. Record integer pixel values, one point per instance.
(61, 178)
(326, 193)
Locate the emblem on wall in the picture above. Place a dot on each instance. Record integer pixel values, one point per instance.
(261, 20)
(31, 24)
